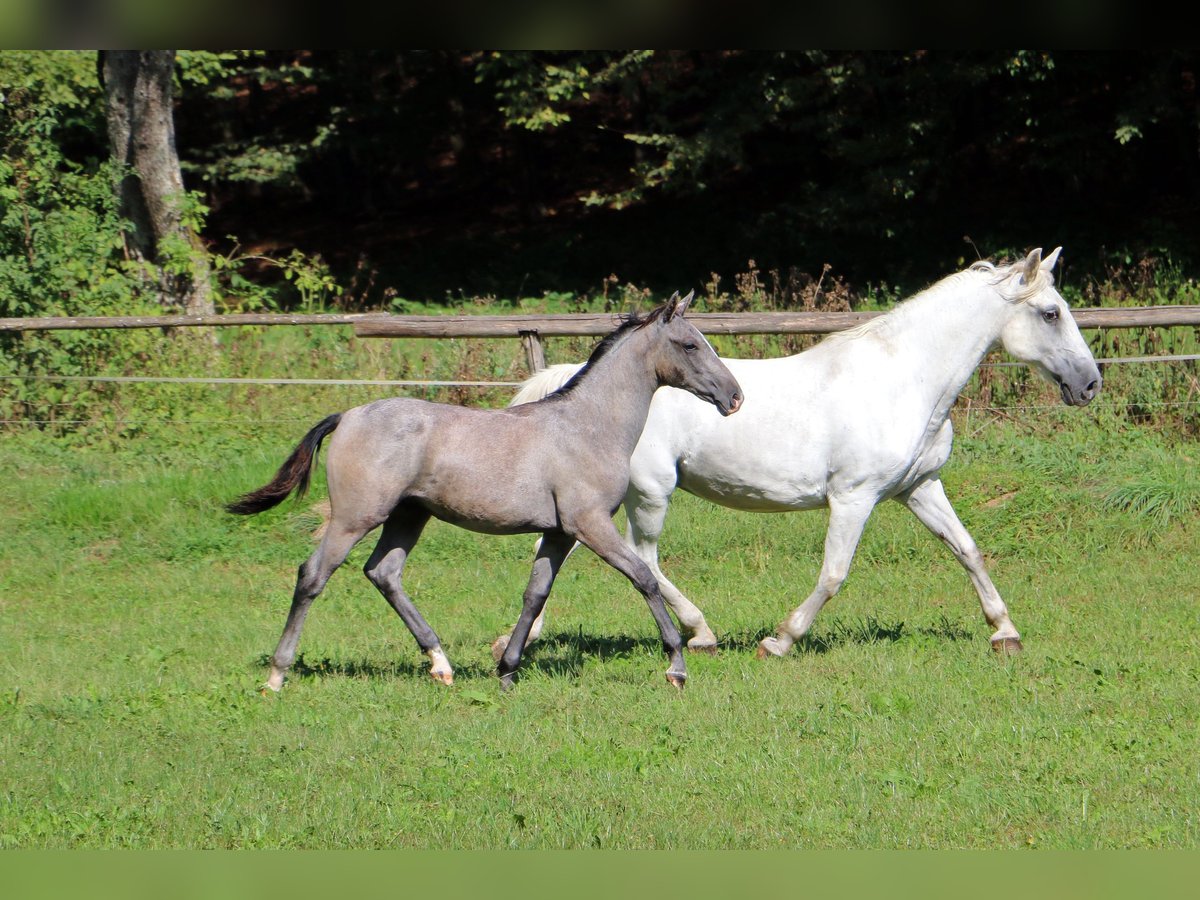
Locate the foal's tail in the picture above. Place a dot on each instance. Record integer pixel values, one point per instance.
(292, 475)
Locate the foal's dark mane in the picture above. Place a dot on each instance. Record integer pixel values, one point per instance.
(631, 322)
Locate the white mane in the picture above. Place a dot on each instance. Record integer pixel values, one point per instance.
(997, 276)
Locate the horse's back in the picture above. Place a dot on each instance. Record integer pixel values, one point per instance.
(811, 424)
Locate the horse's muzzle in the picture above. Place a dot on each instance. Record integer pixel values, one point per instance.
(1080, 396)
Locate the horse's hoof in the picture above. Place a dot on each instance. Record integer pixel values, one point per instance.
(677, 680)
(710, 649)
(446, 678)
(498, 647)
(768, 647)
(1009, 646)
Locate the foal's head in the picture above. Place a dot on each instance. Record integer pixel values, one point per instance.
(683, 358)
(1042, 331)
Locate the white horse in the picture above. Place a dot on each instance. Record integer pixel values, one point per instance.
(862, 417)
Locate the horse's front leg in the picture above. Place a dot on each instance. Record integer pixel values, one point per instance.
(929, 503)
(553, 550)
(600, 536)
(646, 510)
(847, 518)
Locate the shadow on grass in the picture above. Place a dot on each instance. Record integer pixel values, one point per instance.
(868, 630)
(363, 668)
(557, 655)
(563, 654)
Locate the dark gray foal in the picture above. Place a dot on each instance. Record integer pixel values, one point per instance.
(559, 467)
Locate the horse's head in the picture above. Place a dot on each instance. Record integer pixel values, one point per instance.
(1043, 333)
(685, 359)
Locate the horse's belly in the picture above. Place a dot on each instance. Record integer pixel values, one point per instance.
(752, 495)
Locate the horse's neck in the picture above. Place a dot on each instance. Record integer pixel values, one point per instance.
(614, 396)
(944, 336)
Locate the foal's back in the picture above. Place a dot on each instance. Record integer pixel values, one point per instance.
(489, 470)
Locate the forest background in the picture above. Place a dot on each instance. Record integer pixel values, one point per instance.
(398, 177)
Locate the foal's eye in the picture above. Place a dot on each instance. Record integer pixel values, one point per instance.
(689, 347)
(1050, 315)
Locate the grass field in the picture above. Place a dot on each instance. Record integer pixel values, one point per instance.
(137, 619)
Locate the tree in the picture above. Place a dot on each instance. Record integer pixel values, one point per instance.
(138, 86)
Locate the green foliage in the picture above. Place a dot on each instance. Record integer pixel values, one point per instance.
(61, 253)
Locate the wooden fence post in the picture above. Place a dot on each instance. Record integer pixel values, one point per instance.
(534, 354)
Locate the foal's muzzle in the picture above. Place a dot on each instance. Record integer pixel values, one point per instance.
(733, 405)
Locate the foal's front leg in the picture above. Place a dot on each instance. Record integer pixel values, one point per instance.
(553, 550)
(602, 538)
(929, 503)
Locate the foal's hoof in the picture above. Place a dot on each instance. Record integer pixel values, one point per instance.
(769, 647)
(710, 649)
(498, 647)
(446, 678)
(677, 680)
(1009, 646)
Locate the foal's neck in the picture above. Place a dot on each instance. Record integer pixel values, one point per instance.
(614, 395)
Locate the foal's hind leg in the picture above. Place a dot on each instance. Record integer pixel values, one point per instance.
(929, 503)
(385, 569)
(553, 550)
(310, 580)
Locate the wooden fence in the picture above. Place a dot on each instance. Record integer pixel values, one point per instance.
(530, 329)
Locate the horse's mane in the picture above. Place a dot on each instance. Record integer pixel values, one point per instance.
(631, 322)
(1018, 292)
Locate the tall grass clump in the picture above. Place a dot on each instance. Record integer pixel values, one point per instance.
(1161, 489)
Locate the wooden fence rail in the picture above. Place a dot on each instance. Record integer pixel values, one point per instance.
(532, 328)
(575, 324)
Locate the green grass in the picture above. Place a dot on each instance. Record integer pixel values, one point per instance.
(137, 618)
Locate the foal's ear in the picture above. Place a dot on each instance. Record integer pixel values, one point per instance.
(676, 306)
(1032, 263)
(1049, 261)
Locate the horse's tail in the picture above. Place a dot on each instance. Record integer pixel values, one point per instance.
(292, 476)
(546, 382)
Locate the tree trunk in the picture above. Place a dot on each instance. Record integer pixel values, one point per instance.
(141, 132)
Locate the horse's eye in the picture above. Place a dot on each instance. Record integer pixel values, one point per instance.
(1050, 315)
(689, 347)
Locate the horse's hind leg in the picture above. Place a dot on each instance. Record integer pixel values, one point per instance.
(846, 523)
(310, 580)
(929, 503)
(385, 569)
(553, 550)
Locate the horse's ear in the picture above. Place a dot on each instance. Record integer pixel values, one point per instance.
(683, 304)
(1032, 263)
(1049, 261)
(671, 307)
